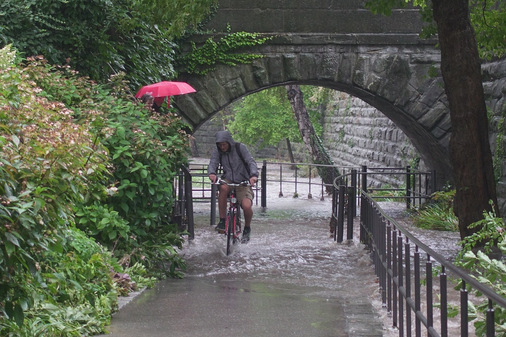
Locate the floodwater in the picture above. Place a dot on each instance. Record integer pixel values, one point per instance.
(292, 253)
(291, 279)
(290, 243)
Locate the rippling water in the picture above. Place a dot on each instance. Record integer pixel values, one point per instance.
(290, 244)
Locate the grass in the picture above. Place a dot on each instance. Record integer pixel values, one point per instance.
(437, 214)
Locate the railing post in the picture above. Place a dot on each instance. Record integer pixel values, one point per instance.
(349, 225)
(214, 190)
(464, 316)
(188, 186)
(490, 319)
(408, 187)
(354, 188)
(340, 215)
(263, 199)
(364, 178)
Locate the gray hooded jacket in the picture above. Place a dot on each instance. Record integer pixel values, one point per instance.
(234, 169)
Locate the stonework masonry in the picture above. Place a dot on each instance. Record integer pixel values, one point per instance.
(355, 134)
(379, 60)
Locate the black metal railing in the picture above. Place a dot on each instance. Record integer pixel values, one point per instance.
(418, 187)
(398, 259)
(182, 209)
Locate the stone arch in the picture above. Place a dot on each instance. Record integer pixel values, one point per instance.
(394, 79)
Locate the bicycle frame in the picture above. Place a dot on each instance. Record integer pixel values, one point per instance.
(233, 219)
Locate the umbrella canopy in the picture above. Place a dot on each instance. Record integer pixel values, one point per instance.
(164, 89)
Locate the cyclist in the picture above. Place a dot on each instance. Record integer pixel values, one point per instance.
(238, 166)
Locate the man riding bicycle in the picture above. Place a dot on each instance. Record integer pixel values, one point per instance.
(238, 166)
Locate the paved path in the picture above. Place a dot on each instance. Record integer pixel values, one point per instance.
(292, 279)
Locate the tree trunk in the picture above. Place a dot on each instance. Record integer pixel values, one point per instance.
(290, 152)
(469, 144)
(309, 136)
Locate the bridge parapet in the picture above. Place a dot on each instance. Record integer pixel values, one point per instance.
(317, 16)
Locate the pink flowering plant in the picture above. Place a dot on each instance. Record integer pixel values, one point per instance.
(85, 192)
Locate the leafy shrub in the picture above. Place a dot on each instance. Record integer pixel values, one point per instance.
(47, 162)
(73, 293)
(437, 214)
(489, 271)
(103, 223)
(144, 152)
(55, 167)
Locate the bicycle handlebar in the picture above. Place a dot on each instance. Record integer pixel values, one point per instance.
(220, 181)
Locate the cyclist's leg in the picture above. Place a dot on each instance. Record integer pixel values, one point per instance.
(222, 201)
(246, 200)
(246, 205)
(245, 196)
(222, 206)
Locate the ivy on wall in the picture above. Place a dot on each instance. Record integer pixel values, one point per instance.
(204, 59)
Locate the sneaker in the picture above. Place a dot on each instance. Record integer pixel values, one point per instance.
(245, 234)
(220, 227)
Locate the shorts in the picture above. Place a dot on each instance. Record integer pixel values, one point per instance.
(244, 192)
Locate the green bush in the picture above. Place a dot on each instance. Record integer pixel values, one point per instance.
(476, 257)
(143, 150)
(47, 161)
(437, 214)
(67, 148)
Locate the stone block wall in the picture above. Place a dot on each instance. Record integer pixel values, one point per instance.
(357, 134)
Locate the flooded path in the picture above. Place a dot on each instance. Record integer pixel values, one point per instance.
(291, 279)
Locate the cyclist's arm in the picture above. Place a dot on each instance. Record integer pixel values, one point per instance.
(214, 162)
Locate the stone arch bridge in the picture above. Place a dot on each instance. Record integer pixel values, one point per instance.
(340, 45)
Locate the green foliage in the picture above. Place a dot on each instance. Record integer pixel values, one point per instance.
(48, 162)
(387, 192)
(102, 37)
(146, 151)
(174, 17)
(72, 286)
(104, 223)
(55, 167)
(437, 214)
(265, 116)
(268, 116)
(500, 151)
(475, 256)
(204, 59)
(487, 18)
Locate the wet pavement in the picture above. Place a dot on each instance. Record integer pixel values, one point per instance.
(291, 279)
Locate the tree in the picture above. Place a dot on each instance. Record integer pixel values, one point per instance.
(469, 145)
(267, 116)
(309, 136)
(101, 37)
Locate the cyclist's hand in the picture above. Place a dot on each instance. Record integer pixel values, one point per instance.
(212, 177)
(253, 181)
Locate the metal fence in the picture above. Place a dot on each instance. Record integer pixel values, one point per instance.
(402, 262)
(418, 187)
(301, 180)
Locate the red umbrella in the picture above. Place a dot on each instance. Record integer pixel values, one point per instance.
(164, 89)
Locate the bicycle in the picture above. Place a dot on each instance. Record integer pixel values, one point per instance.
(233, 219)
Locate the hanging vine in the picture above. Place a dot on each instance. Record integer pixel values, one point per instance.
(204, 59)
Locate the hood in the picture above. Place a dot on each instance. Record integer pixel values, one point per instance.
(224, 136)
